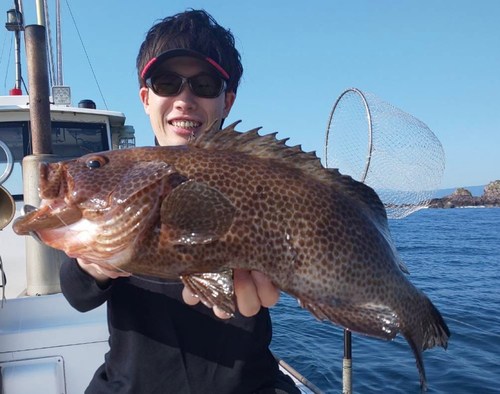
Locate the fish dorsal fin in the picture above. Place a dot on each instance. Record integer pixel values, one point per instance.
(369, 201)
(265, 147)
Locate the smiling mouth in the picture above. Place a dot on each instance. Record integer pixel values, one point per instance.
(185, 124)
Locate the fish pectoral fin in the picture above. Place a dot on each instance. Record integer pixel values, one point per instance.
(213, 289)
(369, 319)
(195, 213)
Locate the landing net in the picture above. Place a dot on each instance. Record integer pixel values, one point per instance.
(391, 151)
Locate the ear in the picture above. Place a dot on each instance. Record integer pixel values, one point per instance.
(144, 95)
(228, 103)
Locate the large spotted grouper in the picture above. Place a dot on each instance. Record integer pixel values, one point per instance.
(239, 200)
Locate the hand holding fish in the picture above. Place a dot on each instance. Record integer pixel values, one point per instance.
(253, 290)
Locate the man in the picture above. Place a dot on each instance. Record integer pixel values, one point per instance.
(161, 339)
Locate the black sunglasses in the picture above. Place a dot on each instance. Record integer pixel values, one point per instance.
(202, 85)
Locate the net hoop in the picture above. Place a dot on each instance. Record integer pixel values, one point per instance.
(370, 128)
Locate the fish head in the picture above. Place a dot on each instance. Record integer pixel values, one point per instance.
(86, 182)
(97, 206)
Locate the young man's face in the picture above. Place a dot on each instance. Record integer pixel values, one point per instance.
(174, 118)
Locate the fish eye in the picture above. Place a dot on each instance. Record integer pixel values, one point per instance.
(96, 162)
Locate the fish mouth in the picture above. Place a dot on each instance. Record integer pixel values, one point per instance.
(24, 211)
(47, 217)
(54, 211)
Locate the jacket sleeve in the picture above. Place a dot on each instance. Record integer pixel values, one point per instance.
(81, 289)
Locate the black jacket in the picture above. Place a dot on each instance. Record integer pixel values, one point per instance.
(158, 344)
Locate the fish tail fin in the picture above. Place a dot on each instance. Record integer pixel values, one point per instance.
(417, 352)
(434, 331)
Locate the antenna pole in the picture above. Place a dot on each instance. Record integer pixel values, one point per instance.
(60, 81)
(17, 50)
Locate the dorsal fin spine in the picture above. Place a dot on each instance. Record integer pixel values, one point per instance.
(265, 147)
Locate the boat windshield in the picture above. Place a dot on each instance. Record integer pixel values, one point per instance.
(69, 140)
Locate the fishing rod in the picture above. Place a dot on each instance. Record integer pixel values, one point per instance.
(347, 364)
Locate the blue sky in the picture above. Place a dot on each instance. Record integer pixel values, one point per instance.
(437, 60)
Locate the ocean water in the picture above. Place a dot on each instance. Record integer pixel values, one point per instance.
(454, 257)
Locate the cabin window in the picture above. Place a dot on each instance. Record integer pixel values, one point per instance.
(13, 134)
(69, 140)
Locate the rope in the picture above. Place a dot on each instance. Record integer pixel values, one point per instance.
(86, 54)
(25, 87)
(3, 47)
(3, 280)
(8, 61)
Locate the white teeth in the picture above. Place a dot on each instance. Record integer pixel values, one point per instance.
(185, 124)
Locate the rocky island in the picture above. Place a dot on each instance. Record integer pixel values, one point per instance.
(464, 198)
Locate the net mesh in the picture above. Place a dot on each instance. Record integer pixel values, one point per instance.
(398, 156)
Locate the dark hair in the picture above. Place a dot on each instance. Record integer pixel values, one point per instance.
(196, 30)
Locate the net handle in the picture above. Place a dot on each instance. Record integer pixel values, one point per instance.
(370, 129)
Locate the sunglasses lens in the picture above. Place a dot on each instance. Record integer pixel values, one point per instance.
(206, 85)
(166, 84)
(202, 85)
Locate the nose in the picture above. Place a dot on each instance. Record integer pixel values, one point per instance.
(186, 100)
